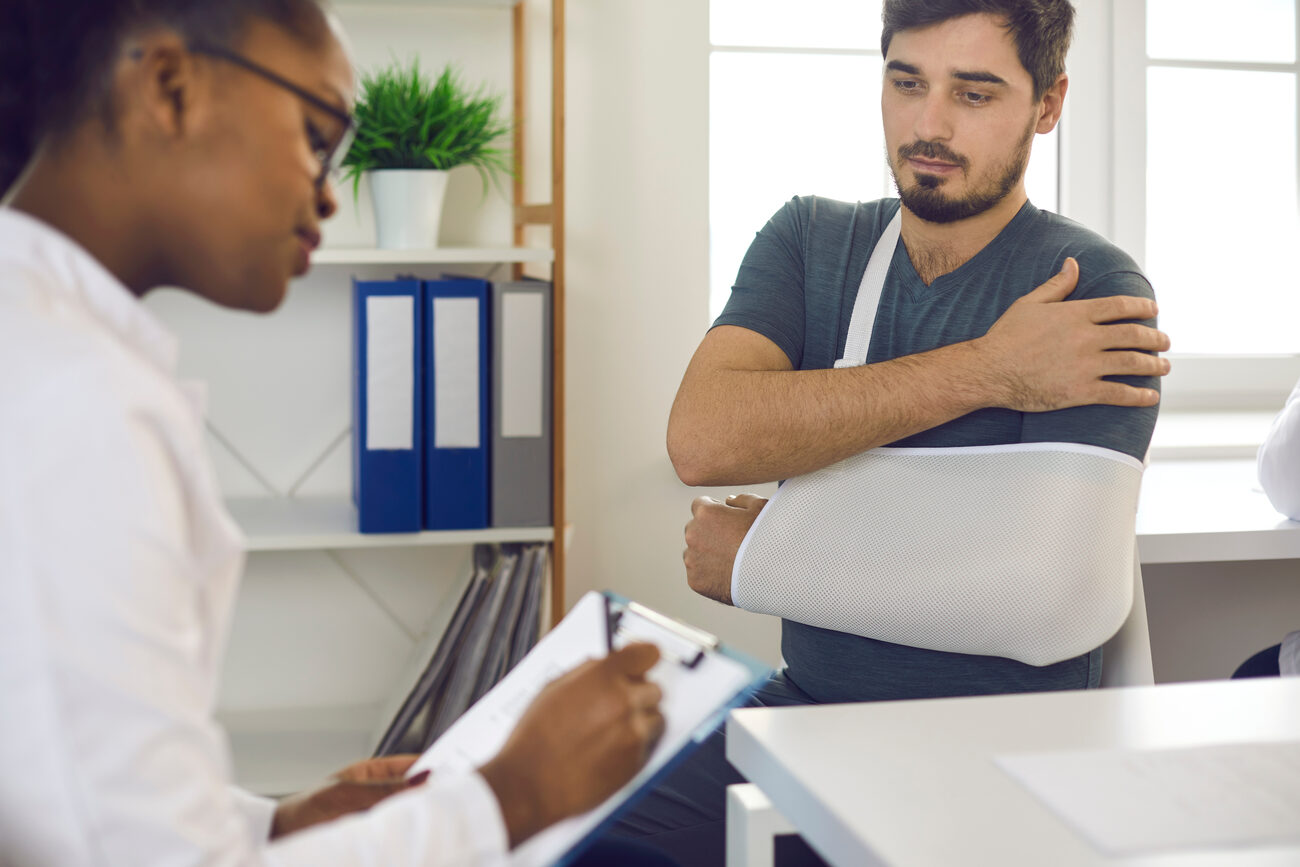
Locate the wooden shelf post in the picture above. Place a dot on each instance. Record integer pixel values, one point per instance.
(526, 214)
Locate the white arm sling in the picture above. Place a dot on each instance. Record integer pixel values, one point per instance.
(1022, 550)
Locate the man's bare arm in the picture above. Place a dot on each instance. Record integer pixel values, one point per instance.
(743, 416)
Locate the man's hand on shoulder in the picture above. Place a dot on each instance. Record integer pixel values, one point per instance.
(713, 537)
(1046, 353)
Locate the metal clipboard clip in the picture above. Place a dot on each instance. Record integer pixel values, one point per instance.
(628, 622)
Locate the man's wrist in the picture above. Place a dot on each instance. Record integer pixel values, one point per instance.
(974, 380)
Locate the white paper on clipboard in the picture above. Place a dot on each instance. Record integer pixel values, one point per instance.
(693, 698)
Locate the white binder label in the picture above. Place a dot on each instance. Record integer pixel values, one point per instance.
(390, 373)
(522, 344)
(456, 410)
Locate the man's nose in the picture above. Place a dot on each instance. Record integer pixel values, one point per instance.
(933, 120)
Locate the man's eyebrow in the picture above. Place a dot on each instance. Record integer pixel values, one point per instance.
(900, 66)
(961, 75)
(982, 77)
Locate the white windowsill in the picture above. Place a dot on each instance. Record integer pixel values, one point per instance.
(1206, 435)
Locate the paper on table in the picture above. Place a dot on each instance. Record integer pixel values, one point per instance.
(692, 698)
(1129, 802)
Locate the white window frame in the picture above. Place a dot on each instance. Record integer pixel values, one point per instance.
(725, 48)
(1103, 174)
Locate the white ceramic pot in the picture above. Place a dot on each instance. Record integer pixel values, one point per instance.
(408, 207)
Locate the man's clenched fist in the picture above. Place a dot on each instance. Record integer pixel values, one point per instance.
(713, 536)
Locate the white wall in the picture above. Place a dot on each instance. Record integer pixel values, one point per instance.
(1208, 618)
(638, 243)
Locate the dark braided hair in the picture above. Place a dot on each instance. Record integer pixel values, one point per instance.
(57, 56)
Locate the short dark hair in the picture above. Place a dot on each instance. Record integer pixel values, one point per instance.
(1042, 29)
(56, 56)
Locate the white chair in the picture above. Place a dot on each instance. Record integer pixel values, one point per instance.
(753, 823)
(1126, 658)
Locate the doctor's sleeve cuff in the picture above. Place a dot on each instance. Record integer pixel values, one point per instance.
(461, 818)
(453, 819)
(258, 812)
(485, 827)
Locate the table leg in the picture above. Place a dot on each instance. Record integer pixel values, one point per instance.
(752, 826)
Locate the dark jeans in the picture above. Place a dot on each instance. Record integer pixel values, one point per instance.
(607, 853)
(1262, 664)
(686, 816)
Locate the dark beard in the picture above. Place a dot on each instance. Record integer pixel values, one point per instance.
(926, 199)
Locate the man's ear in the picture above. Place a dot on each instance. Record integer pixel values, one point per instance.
(1053, 103)
(159, 86)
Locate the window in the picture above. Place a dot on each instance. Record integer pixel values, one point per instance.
(795, 110)
(1221, 174)
(1205, 188)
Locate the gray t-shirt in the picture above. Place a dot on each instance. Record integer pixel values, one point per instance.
(797, 286)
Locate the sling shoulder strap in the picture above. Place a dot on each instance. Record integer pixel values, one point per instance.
(873, 283)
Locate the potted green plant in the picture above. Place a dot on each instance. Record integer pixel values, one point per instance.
(410, 134)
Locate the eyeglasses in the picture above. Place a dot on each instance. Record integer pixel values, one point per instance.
(329, 155)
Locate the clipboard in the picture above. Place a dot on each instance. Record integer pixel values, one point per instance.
(701, 679)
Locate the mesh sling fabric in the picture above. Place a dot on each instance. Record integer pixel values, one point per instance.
(1021, 550)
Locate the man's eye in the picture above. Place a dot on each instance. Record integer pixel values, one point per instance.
(972, 98)
(907, 85)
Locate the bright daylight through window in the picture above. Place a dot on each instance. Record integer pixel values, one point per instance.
(795, 110)
(1221, 180)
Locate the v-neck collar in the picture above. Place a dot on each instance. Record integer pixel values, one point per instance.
(915, 289)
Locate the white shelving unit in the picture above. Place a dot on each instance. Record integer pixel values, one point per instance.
(327, 613)
(314, 523)
(277, 752)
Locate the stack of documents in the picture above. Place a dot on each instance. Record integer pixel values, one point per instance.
(496, 623)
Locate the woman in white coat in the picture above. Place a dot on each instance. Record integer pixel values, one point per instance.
(188, 143)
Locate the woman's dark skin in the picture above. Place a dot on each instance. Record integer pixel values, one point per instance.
(206, 179)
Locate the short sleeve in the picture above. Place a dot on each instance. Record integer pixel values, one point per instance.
(1119, 428)
(768, 295)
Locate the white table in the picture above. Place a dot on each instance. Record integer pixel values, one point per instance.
(913, 783)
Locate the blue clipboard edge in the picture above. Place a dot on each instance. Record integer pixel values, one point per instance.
(761, 673)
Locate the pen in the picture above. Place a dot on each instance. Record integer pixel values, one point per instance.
(609, 627)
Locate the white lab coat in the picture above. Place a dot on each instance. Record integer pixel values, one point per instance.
(1279, 475)
(118, 570)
